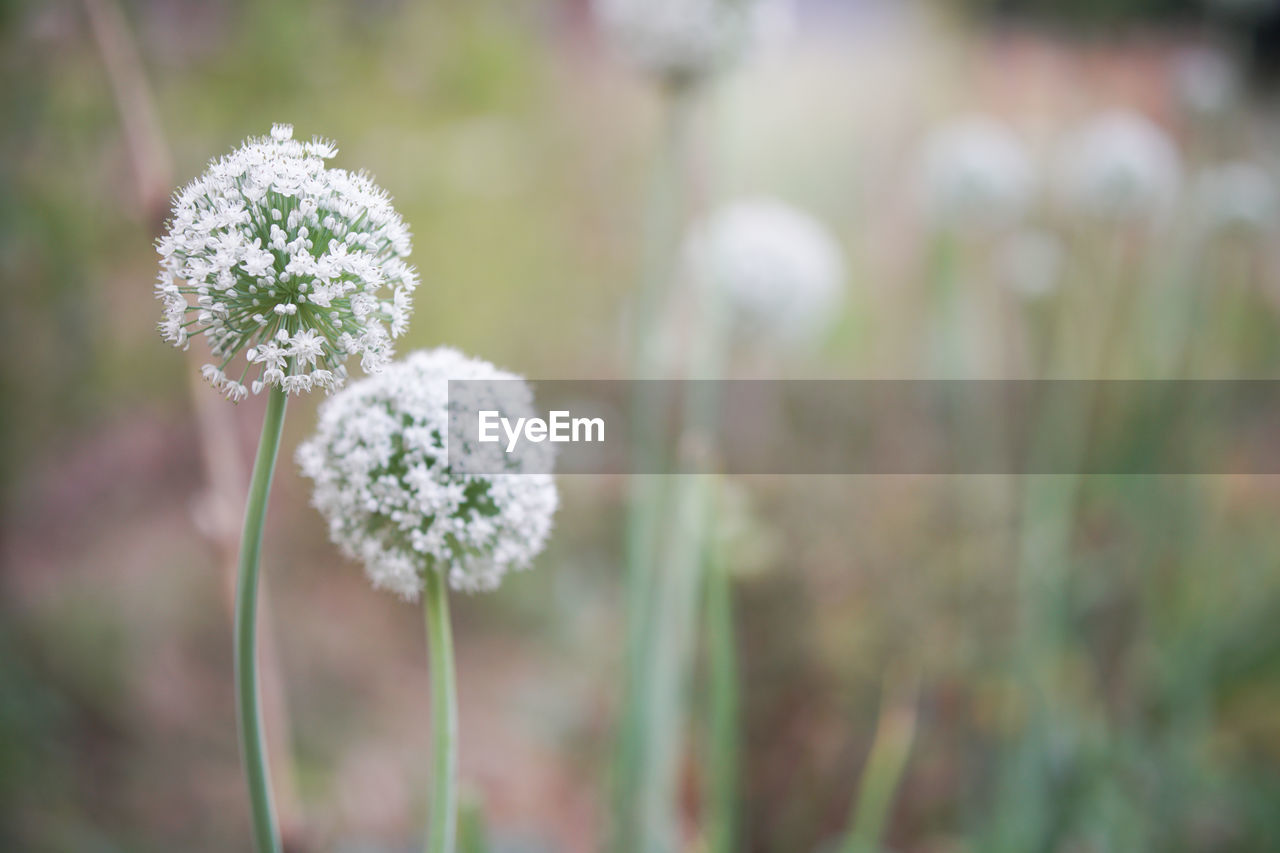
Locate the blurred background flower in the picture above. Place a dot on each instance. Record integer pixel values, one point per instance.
(1237, 195)
(778, 273)
(1119, 165)
(684, 39)
(976, 173)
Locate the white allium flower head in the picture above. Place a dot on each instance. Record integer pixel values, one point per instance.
(384, 483)
(689, 38)
(1237, 196)
(296, 266)
(1206, 81)
(1121, 166)
(779, 271)
(976, 171)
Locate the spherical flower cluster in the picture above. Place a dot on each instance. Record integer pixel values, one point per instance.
(1206, 81)
(682, 39)
(1120, 166)
(976, 171)
(1237, 196)
(271, 254)
(780, 272)
(383, 480)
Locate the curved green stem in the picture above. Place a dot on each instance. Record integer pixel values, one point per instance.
(252, 750)
(444, 715)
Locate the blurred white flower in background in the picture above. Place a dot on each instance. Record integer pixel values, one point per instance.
(779, 271)
(684, 39)
(976, 172)
(1237, 196)
(295, 265)
(1031, 263)
(1207, 82)
(384, 483)
(1120, 165)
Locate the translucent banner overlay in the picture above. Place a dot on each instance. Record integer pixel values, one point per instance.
(909, 427)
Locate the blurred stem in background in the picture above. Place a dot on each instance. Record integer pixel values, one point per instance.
(473, 830)
(148, 152)
(666, 215)
(444, 714)
(1024, 809)
(664, 221)
(221, 508)
(886, 762)
(944, 301)
(721, 819)
(669, 662)
(252, 750)
(679, 577)
(678, 583)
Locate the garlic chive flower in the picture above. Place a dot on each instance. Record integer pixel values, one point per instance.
(976, 172)
(286, 266)
(779, 271)
(686, 39)
(1240, 197)
(1120, 166)
(380, 462)
(1207, 82)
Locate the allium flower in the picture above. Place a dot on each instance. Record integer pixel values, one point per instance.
(1237, 196)
(976, 171)
(271, 254)
(780, 271)
(1120, 166)
(689, 38)
(383, 481)
(1206, 81)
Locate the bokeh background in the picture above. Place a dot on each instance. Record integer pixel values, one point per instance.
(871, 611)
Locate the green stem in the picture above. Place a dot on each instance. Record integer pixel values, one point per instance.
(886, 763)
(1047, 523)
(722, 712)
(252, 750)
(678, 583)
(663, 223)
(444, 715)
